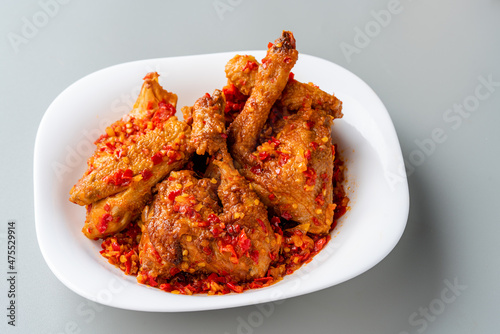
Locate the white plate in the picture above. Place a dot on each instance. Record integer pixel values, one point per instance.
(366, 234)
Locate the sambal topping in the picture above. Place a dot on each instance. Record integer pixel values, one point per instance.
(250, 66)
(307, 154)
(320, 200)
(103, 223)
(120, 178)
(297, 243)
(284, 157)
(262, 225)
(257, 169)
(164, 112)
(146, 174)
(310, 175)
(157, 158)
(275, 142)
(263, 156)
(314, 145)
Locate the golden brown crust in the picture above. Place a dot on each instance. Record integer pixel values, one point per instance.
(133, 155)
(298, 95)
(185, 230)
(128, 144)
(271, 79)
(242, 72)
(209, 132)
(293, 173)
(125, 206)
(295, 96)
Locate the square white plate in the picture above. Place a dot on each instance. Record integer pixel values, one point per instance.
(366, 137)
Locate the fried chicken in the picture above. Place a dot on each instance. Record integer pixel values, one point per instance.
(292, 172)
(135, 153)
(271, 79)
(241, 71)
(186, 230)
(208, 129)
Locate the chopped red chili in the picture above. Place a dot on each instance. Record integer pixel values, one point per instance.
(262, 225)
(103, 222)
(284, 157)
(320, 199)
(274, 141)
(263, 156)
(120, 178)
(243, 242)
(256, 170)
(310, 175)
(174, 271)
(157, 158)
(173, 194)
(164, 112)
(254, 255)
(203, 223)
(146, 174)
(236, 288)
(213, 219)
(251, 65)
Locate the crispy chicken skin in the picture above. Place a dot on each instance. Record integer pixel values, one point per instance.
(208, 129)
(118, 210)
(135, 153)
(186, 229)
(295, 96)
(292, 172)
(271, 78)
(127, 144)
(242, 72)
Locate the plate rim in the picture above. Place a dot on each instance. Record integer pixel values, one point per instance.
(405, 201)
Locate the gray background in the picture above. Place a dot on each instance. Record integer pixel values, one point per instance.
(426, 58)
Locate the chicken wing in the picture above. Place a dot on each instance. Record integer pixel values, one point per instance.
(272, 77)
(135, 153)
